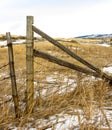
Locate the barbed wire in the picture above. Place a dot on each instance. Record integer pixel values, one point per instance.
(5, 78)
(4, 65)
(52, 69)
(9, 100)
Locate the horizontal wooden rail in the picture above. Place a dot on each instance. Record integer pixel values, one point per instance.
(59, 45)
(63, 63)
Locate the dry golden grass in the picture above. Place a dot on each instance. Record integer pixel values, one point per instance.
(88, 96)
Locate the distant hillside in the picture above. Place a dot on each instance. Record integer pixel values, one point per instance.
(96, 36)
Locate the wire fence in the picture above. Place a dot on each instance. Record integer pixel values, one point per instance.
(49, 78)
(1, 67)
(3, 76)
(56, 89)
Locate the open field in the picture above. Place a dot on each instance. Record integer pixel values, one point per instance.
(64, 99)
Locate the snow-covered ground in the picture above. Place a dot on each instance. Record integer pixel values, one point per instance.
(4, 43)
(104, 44)
(100, 117)
(108, 70)
(67, 122)
(20, 41)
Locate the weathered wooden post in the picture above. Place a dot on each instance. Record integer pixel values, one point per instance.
(12, 75)
(29, 66)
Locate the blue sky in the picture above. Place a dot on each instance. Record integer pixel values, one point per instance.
(58, 18)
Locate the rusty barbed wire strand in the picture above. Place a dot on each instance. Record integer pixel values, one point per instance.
(5, 78)
(4, 65)
(52, 69)
(6, 101)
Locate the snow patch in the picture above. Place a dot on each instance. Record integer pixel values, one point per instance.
(20, 41)
(4, 43)
(104, 44)
(51, 79)
(108, 70)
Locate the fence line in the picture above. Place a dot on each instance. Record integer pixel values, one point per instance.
(31, 52)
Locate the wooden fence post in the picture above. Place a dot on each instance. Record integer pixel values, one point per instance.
(12, 74)
(29, 66)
